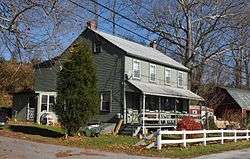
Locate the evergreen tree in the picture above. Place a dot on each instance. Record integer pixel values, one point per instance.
(77, 99)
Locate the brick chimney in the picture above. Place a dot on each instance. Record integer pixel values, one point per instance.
(92, 24)
(153, 44)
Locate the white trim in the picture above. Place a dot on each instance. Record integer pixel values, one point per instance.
(178, 82)
(139, 62)
(39, 102)
(170, 75)
(152, 65)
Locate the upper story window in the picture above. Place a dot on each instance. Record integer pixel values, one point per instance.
(180, 79)
(136, 69)
(167, 75)
(152, 72)
(97, 48)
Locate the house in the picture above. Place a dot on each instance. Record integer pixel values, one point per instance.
(137, 83)
(231, 104)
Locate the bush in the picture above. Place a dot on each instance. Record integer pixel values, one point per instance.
(77, 99)
(188, 123)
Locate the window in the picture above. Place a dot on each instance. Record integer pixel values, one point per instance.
(167, 75)
(48, 103)
(180, 79)
(97, 47)
(44, 102)
(136, 69)
(194, 111)
(51, 103)
(105, 101)
(152, 72)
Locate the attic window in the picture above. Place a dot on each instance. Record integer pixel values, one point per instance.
(97, 47)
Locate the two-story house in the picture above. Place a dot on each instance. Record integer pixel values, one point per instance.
(137, 83)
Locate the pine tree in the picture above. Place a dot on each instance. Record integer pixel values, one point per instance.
(77, 99)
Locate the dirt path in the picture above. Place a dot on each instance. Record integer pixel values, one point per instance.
(11, 148)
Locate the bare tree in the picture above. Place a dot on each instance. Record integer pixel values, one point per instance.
(38, 29)
(194, 32)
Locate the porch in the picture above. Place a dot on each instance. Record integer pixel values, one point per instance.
(156, 106)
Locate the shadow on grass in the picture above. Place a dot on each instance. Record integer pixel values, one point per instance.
(36, 131)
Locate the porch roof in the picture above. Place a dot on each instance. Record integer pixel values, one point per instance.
(164, 90)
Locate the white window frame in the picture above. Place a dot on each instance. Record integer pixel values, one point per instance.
(178, 79)
(48, 94)
(170, 72)
(152, 65)
(110, 101)
(139, 62)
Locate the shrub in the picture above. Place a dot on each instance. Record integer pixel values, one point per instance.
(77, 99)
(188, 123)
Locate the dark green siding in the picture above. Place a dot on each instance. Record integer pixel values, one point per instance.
(109, 69)
(20, 104)
(45, 78)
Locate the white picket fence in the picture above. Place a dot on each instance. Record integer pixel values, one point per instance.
(218, 135)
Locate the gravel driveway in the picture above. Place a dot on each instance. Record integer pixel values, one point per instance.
(11, 148)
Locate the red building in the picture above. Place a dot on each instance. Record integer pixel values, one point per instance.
(231, 104)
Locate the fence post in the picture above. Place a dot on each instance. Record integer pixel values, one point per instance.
(222, 136)
(184, 137)
(247, 134)
(159, 139)
(235, 135)
(204, 137)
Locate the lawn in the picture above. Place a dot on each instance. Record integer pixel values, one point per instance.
(119, 143)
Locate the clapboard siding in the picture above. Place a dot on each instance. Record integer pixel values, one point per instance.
(160, 72)
(109, 70)
(45, 78)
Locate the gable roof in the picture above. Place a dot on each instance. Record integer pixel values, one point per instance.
(141, 51)
(242, 97)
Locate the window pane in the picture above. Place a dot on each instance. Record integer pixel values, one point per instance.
(136, 69)
(180, 79)
(44, 102)
(105, 101)
(167, 76)
(97, 47)
(152, 71)
(51, 103)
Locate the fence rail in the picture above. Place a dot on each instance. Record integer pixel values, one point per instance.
(218, 135)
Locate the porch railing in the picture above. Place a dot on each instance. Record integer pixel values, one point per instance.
(156, 117)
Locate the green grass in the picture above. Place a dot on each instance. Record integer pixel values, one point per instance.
(54, 135)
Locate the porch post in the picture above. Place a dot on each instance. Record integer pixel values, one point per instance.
(175, 111)
(124, 102)
(159, 109)
(38, 108)
(143, 113)
(28, 109)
